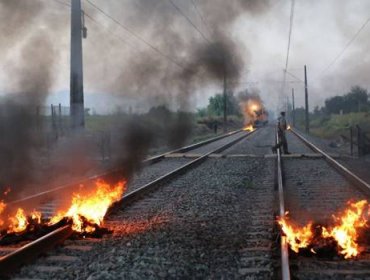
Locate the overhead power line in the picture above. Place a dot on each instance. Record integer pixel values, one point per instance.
(290, 33)
(138, 37)
(63, 3)
(346, 46)
(96, 22)
(201, 16)
(189, 20)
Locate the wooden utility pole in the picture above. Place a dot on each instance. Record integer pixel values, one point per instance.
(76, 80)
(307, 121)
(293, 108)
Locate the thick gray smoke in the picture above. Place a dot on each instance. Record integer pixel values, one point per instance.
(193, 60)
(31, 31)
(29, 76)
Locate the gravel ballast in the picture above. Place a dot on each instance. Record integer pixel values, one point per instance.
(213, 222)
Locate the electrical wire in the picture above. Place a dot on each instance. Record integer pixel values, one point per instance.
(137, 36)
(290, 33)
(346, 46)
(189, 20)
(201, 16)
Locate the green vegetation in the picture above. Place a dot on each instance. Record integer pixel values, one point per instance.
(339, 114)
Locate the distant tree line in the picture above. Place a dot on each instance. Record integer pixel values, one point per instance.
(215, 107)
(356, 100)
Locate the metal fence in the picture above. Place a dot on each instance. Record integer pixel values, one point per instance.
(359, 138)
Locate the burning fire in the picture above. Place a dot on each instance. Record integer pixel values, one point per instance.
(86, 211)
(91, 207)
(345, 230)
(288, 127)
(297, 237)
(19, 222)
(248, 128)
(2, 208)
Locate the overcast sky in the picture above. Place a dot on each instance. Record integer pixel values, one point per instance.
(112, 57)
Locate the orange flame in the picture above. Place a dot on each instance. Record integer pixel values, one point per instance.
(346, 232)
(248, 128)
(297, 237)
(2, 208)
(36, 216)
(19, 222)
(289, 127)
(91, 207)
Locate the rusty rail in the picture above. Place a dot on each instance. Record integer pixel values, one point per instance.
(137, 193)
(353, 178)
(27, 253)
(285, 270)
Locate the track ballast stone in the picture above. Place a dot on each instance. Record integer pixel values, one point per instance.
(215, 221)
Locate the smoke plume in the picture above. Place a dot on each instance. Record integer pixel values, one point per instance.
(29, 78)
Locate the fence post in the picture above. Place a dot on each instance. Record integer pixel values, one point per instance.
(359, 140)
(60, 119)
(351, 138)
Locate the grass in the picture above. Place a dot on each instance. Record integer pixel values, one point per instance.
(336, 125)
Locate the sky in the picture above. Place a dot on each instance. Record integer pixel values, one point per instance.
(122, 71)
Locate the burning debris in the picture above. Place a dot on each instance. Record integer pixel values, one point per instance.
(85, 214)
(249, 128)
(90, 209)
(253, 109)
(343, 237)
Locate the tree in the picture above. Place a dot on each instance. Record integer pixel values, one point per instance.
(216, 105)
(334, 104)
(356, 100)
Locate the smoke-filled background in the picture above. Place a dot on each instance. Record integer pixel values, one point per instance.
(175, 53)
(118, 63)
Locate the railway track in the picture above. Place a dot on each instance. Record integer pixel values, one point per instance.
(213, 221)
(14, 256)
(314, 188)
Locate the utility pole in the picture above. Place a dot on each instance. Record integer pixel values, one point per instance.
(307, 121)
(225, 99)
(78, 30)
(293, 108)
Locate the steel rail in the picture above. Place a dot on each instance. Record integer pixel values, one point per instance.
(353, 178)
(135, 194)
(85, 181)
(27, 253)
(191, 147)
(285, 270)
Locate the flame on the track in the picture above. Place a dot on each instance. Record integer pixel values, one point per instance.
(86, 210)
(91, 207)
(297, 237)
(18, 222)
(345, 230)
(248, 128)
(2, 208)
(347, 226)
(289, 127)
